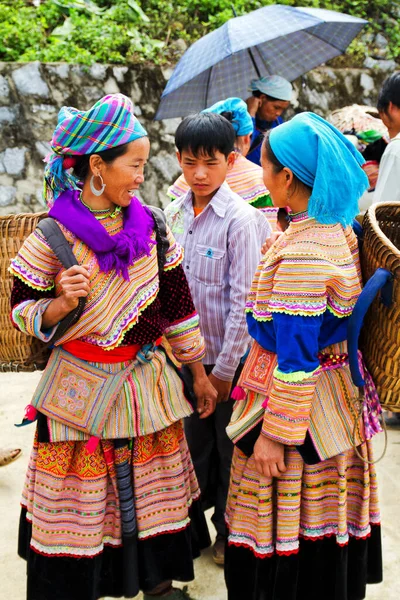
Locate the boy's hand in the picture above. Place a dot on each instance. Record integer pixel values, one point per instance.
(223, 387)
(206, 396)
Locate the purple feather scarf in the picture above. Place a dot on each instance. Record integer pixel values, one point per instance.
(113, 252)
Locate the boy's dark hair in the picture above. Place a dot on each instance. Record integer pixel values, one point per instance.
(205, 133)
(390, 92)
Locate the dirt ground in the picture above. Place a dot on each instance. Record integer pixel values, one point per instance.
(15, 392)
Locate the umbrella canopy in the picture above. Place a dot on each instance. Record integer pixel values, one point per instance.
(273, 40)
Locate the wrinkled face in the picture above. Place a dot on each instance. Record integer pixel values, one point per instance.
(125, 174)
(270, 110)
(276, 183)
(205, 173)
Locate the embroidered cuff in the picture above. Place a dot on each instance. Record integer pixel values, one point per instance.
(186, 341)
(286, 418)
(27, 317)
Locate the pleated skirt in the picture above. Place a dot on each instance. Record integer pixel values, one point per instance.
(313, 533)
(122, 519)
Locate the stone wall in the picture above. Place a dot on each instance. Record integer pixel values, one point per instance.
(31, 94)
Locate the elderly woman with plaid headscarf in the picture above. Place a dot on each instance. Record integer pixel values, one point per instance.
(112, 514)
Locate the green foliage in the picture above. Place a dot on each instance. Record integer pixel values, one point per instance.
(123, 31)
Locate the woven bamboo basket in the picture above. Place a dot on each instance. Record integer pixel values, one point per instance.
(380, 340)
(16, 349)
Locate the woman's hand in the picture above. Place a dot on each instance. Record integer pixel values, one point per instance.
(74, 283)
(269, 241)
(269, 457)
(253, 104)
(206, 396)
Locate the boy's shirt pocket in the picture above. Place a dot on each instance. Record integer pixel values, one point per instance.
(209, 265)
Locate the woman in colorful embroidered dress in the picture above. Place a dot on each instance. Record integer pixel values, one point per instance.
(245, 178)
(112, 518)
(302, 509)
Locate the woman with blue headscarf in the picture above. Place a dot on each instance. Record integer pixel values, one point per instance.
(302, 508)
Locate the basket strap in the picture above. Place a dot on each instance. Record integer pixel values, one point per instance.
(61, 248)
(382, 279)
(161, 235)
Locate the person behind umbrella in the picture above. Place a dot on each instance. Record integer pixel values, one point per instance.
(271, 97)
(112, 518)
(222, 237)
(244, 178)
(302, 509)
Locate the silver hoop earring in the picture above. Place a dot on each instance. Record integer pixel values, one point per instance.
(93, 189)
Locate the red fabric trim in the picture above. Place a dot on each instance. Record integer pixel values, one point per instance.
(291, 552)
(66, 555)
(13, 322)
(329, 535)
(257, 554)
(287, 552)
(171, 531)
(185, 318)
(92, 353)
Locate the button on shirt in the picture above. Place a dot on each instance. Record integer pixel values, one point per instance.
(222, 249)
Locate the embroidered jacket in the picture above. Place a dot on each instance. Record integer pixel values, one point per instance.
(304, 290)
(118, 312)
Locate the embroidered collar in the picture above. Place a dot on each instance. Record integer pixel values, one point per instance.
(297, 217)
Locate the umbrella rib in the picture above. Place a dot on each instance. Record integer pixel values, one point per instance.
(330, 43)
(207, 86)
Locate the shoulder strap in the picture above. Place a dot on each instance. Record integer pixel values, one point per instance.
(161, 234)
(61, 248)
(57, 242)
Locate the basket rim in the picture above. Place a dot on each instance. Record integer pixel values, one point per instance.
(375, 225)
(23, 215)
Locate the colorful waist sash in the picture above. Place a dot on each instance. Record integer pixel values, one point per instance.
(96, 354)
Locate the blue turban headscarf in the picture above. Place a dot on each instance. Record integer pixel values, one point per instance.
(241, 120)
(322, 158)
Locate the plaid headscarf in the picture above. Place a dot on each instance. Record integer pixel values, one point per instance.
(109, 123)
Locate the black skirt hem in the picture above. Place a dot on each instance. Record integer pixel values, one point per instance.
(321, 569)
(117, 571)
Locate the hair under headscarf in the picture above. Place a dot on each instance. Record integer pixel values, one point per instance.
(323, 159)
(274, 86)
(241, 120)
(108, 123)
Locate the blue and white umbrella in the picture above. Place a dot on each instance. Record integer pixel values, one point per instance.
(273, 40)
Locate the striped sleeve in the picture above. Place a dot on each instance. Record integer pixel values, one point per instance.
(36, 264)
(174, 254)
(186, 340)
(27, 317)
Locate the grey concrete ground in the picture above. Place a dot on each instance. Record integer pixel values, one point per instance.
(15, 392)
